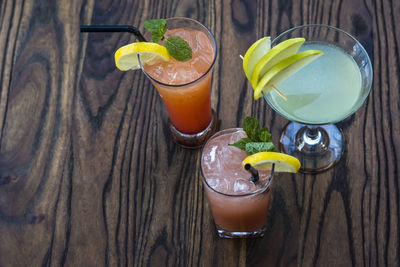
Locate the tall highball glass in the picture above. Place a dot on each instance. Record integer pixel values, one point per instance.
(188, 101)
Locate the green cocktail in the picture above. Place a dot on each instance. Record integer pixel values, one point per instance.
(315, 94)
(326, 91)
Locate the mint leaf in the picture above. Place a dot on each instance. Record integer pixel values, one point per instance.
(252, 128)
(265, 135)
(157, 28)
(178, 48)
(257, 139)
(241, 144)
(255, 147)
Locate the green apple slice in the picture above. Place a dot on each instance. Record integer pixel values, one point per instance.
(254, 54)
(279, 52)
(283, 69)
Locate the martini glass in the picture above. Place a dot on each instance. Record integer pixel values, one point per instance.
(328, 90)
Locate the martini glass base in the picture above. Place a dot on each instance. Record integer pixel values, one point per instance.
(318, 147)
(194, 140)
(229, 234)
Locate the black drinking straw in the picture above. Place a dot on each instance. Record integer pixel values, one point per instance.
(113, 28)
(254, 173)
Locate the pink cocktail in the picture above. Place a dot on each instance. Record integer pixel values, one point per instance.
(238, 205)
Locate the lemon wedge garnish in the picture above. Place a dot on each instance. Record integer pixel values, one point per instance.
(255, 52)
(263, 161)
(283, 69)
(126, 57)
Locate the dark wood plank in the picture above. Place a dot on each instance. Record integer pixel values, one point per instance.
(88, 176)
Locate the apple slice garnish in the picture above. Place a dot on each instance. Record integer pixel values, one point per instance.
(278, 53)
(283, 69)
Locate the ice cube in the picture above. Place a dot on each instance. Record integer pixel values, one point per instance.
(242, 186)
(218, 184)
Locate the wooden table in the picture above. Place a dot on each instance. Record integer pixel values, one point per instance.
(88, 176)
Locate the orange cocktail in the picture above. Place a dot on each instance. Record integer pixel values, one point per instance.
(185, 87)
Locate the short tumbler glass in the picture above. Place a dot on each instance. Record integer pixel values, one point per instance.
(235, 216)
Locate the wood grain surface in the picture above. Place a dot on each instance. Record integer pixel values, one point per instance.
(88, 176)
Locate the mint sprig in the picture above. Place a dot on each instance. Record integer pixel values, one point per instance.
(257, 139)
(157, 28)
(176, 46)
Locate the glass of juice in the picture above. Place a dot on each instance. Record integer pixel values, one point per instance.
(185, 87)
(239, 206)
(324, 92)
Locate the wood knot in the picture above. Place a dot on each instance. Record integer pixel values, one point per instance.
(359, 24)
(5, 179)
(37, 219)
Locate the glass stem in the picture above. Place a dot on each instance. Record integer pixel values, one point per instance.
(312, 135)
(312, 139)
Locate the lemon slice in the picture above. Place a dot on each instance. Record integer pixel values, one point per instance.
(283, 69)
(279, 52)
(263, 161)
(255, 52)
(126, 57)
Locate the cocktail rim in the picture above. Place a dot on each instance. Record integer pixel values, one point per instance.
(203, 75)
(267, 184)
